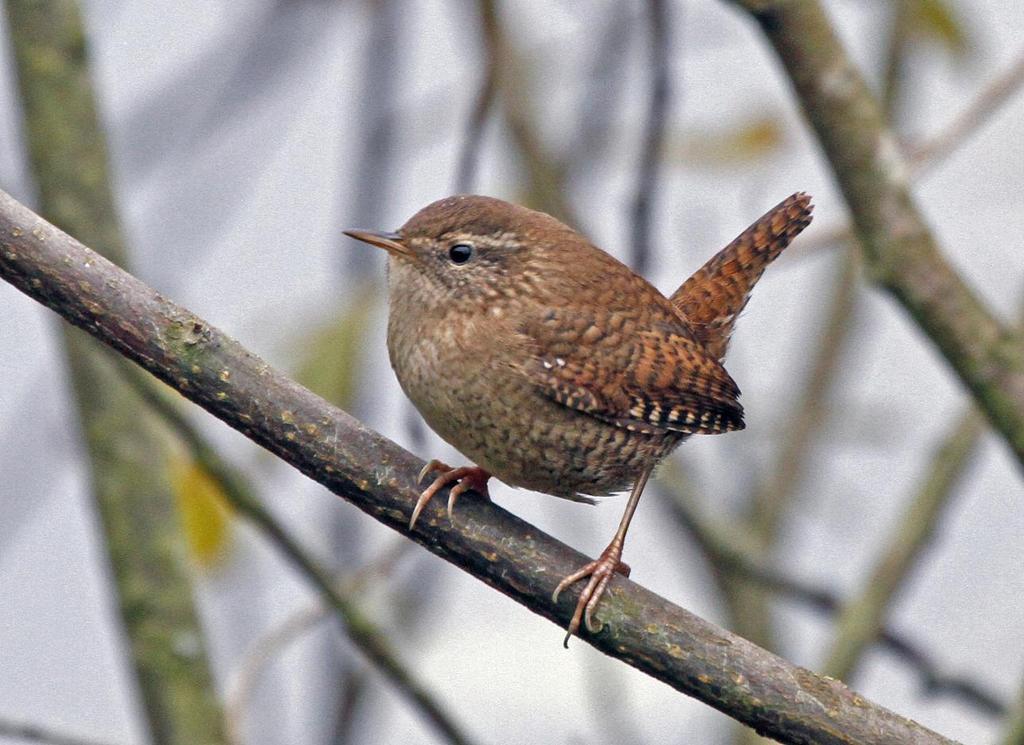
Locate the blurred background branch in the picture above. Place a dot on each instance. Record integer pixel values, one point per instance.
(545, 174)
(933, 150)
(368, 636)
(732, 553)
(269, 648)
(861, 619)
(900, 251)
(659, 24)
(469, 156)
(42, 735)
(1014, 733)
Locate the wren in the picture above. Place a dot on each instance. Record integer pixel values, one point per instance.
(551, 364)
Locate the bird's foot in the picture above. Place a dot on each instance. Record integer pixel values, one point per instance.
(600, 573)
(468, 477)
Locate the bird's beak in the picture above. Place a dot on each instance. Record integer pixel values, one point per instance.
(390, 242)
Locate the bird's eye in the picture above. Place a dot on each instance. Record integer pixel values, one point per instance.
(460, 253)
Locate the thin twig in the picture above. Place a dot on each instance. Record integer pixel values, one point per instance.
(375, 120)
(354, 689)
(901, 32)
(265, 650)
(861, 619)
(268, 648)
(925, 156)
(544, 172)
(934, 150)
(469, 157)
(772, 495)
(601, 91)
(654, 135)
(38, 733)
(640, 628)
(734, 552)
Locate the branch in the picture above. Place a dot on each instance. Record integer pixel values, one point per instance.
(725, 671)
(734, 552)
(545, 174)
(469, 155)
(374, 123)
(266, 649)
(901, 253)
(861, 619)
(270, 646)
(935, 149)
(36, 733)
(798, 433)
(658, 22)
(602, 88)
(364, 634)
(1014, 734)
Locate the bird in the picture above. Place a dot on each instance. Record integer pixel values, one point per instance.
(554, 367)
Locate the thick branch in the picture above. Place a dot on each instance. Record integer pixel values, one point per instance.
(756, 687)
(901, 252)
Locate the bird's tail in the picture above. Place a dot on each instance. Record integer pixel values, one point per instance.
(713, 297)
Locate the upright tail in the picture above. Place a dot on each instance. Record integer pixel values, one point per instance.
(713, 297)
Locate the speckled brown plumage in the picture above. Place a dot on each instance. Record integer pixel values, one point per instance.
(551, 364)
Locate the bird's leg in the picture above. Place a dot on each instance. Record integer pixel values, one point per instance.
(601, 571)
(468, 477)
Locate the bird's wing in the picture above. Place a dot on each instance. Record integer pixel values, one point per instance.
(713, 297)
(646, 377)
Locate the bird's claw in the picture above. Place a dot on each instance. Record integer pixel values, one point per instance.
(468, 477)
(430, 467)
(600, 573)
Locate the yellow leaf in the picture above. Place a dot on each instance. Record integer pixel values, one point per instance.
(204, 512)
(937, 19)
(751, 139)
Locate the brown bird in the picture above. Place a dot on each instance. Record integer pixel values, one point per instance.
(551, 364)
